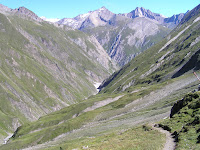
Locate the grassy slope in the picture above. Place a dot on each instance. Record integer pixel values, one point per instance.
(59, 122)
(185, 122)
(139, 138)
(41, 69)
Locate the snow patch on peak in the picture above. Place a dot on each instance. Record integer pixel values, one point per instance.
(50, 19)
(163, 16)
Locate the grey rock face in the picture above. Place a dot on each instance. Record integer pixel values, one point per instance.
(132, 38)
(174, 20)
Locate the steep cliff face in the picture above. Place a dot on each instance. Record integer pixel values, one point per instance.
(124, 36)
(44, 68)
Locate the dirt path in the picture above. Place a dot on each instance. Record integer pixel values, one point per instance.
(169, 144)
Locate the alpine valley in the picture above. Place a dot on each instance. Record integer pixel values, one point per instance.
(144, 61)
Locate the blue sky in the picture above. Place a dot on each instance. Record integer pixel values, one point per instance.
(71, 8)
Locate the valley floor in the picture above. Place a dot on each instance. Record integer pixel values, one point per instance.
(169, 144)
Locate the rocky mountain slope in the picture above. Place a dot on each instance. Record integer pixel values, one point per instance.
(124, 36)
(44, 68)
(143, 91)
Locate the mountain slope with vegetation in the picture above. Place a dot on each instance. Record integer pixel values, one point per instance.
(44, 68)
(184, 122)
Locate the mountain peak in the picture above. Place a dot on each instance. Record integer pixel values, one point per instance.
(103, 8)
(23, 11)
(140, 8)
(141, 12)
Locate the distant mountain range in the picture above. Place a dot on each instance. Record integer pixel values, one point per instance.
(103, 16)
(124, 36)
